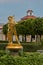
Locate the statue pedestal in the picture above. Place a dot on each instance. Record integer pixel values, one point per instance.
(15, 48)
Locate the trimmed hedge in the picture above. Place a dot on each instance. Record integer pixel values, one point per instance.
(27, 59)
(1, 41)
(31, 48)
(26, 46)
(3, 46)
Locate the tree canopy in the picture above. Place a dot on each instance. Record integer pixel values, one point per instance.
(30, 26)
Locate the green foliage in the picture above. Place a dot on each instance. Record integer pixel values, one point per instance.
(27, 59)
(31, 47)
(26, 46)
(20, 29)
(1, 41)
(3, 46)
(5, 29)
(38, 26)
(30, 26)
(2, 53)
(25, 27)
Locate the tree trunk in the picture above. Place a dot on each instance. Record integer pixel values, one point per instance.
(5, 37)
(18, 37)
(31, 38)
(38, 38)
(25, 37)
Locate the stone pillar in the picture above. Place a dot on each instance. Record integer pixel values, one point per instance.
(28, 38)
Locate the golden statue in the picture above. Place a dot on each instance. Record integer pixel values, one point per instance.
(12, 30)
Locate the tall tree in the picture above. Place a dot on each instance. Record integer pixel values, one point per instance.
(38, 27)
(5, 30)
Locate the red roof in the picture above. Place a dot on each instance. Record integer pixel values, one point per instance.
(28, 16)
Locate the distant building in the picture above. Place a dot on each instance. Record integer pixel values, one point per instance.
(29, 15)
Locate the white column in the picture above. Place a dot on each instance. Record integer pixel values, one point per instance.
(28, 38)
(20, 38)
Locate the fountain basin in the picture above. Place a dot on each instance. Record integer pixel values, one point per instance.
(14, 46)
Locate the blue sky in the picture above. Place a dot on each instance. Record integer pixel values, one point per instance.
(19, 8)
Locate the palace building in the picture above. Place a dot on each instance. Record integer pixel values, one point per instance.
(29, 15)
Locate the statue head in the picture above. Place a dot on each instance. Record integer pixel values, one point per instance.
(10, 18)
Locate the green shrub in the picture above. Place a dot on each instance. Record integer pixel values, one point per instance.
(3, 46)
(1, 41)
(31, 48)
(26, 46)
(27, 59)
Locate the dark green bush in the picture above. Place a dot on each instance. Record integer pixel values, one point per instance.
(26, 46)
(3, 46)
(1, 41)
(31, 48)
